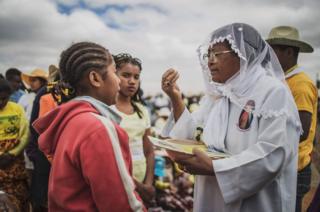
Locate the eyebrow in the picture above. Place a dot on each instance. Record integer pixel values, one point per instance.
(128, 72)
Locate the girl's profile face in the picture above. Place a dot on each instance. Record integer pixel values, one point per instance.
(35, 84)
(110, 86)
(129, 75)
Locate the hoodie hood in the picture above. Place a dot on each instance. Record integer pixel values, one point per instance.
(52, 124)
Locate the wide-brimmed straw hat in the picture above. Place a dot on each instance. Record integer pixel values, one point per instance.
(35, 73)
(288, 36)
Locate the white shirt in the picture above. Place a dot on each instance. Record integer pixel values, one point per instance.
(261, 173)
(26, 101)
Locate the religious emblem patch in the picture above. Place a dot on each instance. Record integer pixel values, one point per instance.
(246, 116)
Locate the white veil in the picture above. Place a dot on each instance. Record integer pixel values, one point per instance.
(257, 59)
(252, 50)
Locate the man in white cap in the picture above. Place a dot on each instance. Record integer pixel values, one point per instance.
(287, 45)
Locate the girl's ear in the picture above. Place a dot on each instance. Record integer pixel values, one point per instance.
(95, 79)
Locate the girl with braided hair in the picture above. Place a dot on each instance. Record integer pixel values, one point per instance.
(136, 122)
(91, 163)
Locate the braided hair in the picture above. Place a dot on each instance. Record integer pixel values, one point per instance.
(121, 60)
(77, 60)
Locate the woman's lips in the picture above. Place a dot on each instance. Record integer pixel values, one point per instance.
(131, 89)
(213, 71)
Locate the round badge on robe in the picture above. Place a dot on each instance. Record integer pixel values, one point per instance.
(246, 115)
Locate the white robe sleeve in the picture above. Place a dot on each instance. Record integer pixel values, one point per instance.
(183, 128)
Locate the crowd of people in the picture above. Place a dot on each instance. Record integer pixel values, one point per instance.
(76, 137)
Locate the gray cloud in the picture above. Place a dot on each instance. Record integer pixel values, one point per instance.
(163, 33)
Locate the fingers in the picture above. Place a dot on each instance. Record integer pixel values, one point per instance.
(169, 77)
(202, 156)
(174, 78)
(168, 72)
(199, 153)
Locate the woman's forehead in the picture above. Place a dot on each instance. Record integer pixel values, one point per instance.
(129, 67)
(220, 45)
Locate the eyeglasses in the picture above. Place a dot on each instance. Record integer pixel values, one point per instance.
(211, 55)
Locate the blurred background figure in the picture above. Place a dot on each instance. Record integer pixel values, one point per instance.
(13, 139)
(286, 43)
(162, 114)
(6, 205)
(46, 99)
(161, 101)
(13, 76)
(35, 80)
(174, 188)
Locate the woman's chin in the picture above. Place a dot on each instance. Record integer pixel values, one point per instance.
(215, 79)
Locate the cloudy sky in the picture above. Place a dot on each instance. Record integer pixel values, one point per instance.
(162, 33)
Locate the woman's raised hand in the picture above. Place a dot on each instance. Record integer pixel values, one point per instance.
(169, 85)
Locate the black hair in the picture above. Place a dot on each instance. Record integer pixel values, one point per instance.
(1, 76)
(125, 58)
(5, 86)
(11, 73)
(77, 60)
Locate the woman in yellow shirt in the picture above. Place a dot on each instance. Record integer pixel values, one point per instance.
(13, 140)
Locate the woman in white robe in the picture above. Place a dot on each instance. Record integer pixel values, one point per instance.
(248, 112)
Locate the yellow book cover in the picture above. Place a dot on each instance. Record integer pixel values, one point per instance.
(184, 146)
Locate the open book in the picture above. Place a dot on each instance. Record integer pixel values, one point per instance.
(184, 146)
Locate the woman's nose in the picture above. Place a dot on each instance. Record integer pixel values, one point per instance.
(132, 80)
(211, 63)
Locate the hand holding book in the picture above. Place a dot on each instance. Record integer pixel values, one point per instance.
(184, 147)
(192, 156)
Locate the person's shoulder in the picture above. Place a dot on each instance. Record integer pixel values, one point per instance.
(42, 91)
(92, 124)
(11, 104)
(141, 106)
(47, 98)
(21, 92)
(23, 99)
(84, 125)
(85, 120)
(302, 78)
(272, 89)
(14, 107)
(301, 83)
(269, 84)
(144, 109)
(27, 96)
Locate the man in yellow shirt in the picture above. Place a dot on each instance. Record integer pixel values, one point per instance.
(287, 46)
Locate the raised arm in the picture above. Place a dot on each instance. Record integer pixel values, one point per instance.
(170, 87)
